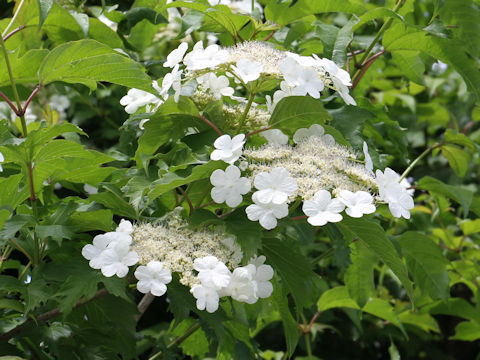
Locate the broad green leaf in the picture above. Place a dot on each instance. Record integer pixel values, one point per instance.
(393, 351)
(294, 269)
(10, 284)
(470, 227)
(280, 301)
(338, 297)
(461, 195)
(137, 14)
(379, 12)
(12, 305)
(113, 199)
(41, 136)
(446, 50)
(89, 61)
(76, 287)
(171, 180)
(246, 232)
(24, 68)
(44, 7)
(13, 194)
(452, 137)
(343, 39)
(411, 65)
(458, 159)
(359, 275)
(467, 331)
(376, 240)
(426, 263)
(294, 112)
(55, 232)
(288, 11)
(349, 121)
(424, 321)
(455, 307)
(196, 345)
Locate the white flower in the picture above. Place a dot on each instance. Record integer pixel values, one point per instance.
(262, 278)
(323, 209)
(117, 258)
(247, 70)
(368, 159)
(407, 185)
(218, 85)
(340, 78)
(228, 149)
(390, 190)
(176, 55)
(358, 203)
(267, 214)
(172, 80)
(207, 298)
(199, 58)
(229, 186)
(153, 278)
(100, 242)
(275, 136)
(125, 226)
(275, 186)
(89, 189)
(135, 99)
(285, 90)
(2, 159)
(242, 287)
(212, 272)
(303, 79)
(314, 130)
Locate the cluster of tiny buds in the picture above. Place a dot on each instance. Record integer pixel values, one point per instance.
(313, 169)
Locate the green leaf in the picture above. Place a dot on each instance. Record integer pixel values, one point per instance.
(458, 159)
(44, 7)
(245, 231)
(467, 331)
(12, 305)
(424, 321)
(446, 50)
(294, 112)
(294, 269)
(461, 195)
(343, 39)
(455, 307)
(452, 137)
(286, 12)
(171, 180)
(338, 297)
(25, 68)
(410, 64)
(470, 227)
(55, 232)
(91, 220)
(76, 287)
(137, 14)
(11, 284)
(379, 12)
(426, 263)
(196, 345)
(393, 351)
(89, 61)
(113, 200)
(280, 301)
(376, 240)
(13, 194)
(359, 275)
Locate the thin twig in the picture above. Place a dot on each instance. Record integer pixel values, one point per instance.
(13, 32)
(270, 35)
(12, 105)
(190, 205)
(258, 131)
(364, 68)
(298, 217)
(207, 204)
(51, 314)
(143, 305)
(211, 124)
(34, 92)
(21, 249)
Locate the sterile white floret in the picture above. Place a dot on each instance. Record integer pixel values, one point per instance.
(229, 186)
(153, 278)
(323, 209)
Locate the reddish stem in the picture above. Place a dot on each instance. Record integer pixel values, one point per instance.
(34, 92)
(365, 66)
(270, 35)
(190, 205)
(13, 32)
(257, 131)
(211, 124)
(5, 97)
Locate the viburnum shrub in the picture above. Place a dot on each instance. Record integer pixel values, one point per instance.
(239, 179)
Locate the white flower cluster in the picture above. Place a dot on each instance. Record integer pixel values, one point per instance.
(110, 252)
(245, 284)
(314, 168)
(218, 71)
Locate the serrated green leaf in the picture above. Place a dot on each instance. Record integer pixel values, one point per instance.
(466, 331)
(455, 307)
(426, 263)
(470, 227)
(91, 220)
(55, 232)
(338, 297)
(294, 112)
(12, 305)
(245, 231)
(196, 345)
(452, 137)
(87, 62)
(76, 287)
(376, 240)
(461, 195)
(410, 64)
(359, 275)
(25, 68)
(11, 284)
(379, 12)
(343, 39)
(424, 321)
(113, 200)
(44, 7)
(458, 159)
(294, 269)
(13, 194)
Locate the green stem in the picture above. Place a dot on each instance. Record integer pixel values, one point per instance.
(5, 255)
(5, 32)
(384, 27)
(306, 334)
(20, 277)
(420, 157)
(247, 109)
